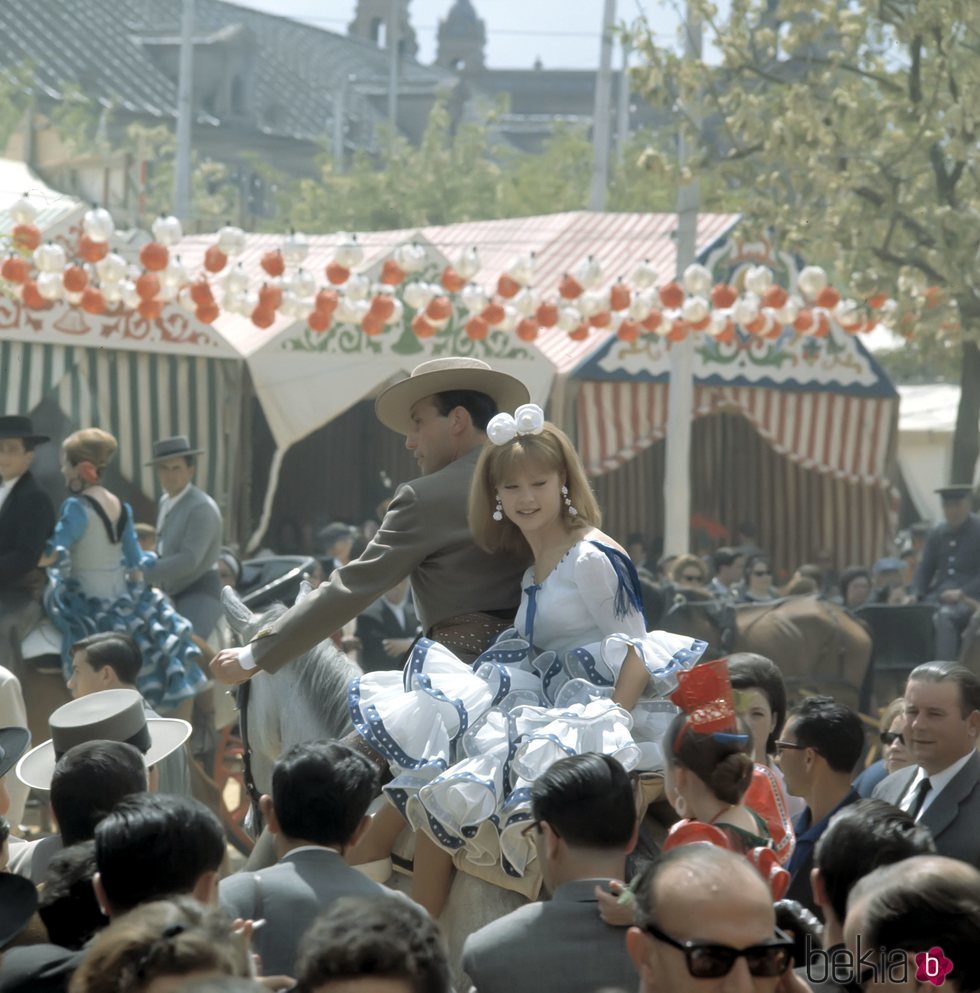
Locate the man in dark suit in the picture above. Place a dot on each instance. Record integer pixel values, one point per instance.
(464, 596)
(387, 629)
(317, 811)
(948, 573)
(26, 522)
(189, 534)
(942, 791)
(584, 827)
(817, 751)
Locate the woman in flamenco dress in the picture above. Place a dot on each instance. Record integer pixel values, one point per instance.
(579, 672)
(92, 557)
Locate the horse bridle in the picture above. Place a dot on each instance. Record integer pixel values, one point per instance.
(244, 692)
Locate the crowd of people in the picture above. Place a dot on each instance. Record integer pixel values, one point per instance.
(628, 812)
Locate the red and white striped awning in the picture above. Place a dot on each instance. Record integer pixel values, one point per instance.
(848, 436)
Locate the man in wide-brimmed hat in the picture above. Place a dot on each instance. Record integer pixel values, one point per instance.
(26, 522)
(948, 573)
(189, 537)
(464, 597)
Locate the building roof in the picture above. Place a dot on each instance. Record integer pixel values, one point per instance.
(54, 209)
(106, 48)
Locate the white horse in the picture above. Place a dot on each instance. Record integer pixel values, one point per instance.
(306, 700)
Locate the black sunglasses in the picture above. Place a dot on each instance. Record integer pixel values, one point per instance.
(890, 737)
(763, 572)
(792, 745)
(707, 961)
(696, 578)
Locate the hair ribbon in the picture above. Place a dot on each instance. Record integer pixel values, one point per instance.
(527, 419)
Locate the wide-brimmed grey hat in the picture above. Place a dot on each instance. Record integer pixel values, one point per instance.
(955, 491)
(13, 743)
(18, 426)
(394, 406)
(110, 715)
(172, 448)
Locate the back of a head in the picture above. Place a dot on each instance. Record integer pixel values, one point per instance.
(860, 838)
(922, 903)
(156, 845)
(724, 556)
(88, 781)
(588, 800)
(321, 791)
(723, 762)
(834, 731)
(68, 907)
(373, 937)
(115, 649)
(162, 939)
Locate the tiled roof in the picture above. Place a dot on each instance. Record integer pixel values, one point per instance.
(97, 45)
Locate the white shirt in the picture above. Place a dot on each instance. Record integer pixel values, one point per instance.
(398, 609)
(5, 487)
(167, 504)
(939, 782)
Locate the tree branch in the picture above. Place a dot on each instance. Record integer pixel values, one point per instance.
(910, 260)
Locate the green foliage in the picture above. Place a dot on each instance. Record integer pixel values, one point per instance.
(14, 100)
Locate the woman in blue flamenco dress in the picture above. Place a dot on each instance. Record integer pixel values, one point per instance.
(90, 557)
(579, 672)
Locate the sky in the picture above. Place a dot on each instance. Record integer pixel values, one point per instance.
(562, 33)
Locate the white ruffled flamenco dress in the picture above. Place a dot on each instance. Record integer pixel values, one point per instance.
(466, 743)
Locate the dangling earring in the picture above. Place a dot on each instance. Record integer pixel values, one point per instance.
(572, 512)
(498, 514)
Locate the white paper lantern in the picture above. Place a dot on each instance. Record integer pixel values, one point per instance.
(98, 224)
(695, 309)
(50, 286)
(168, 291)
(49, 258)
(358, 286)
(411, 257)
(511, 317)
(73, 298)
(111, 269)
(112, 293)
(697, 280)
(231, 240)
(811, 280)
(718, 321)
(397, 314)
(640, 307)
(521, 269)
(129, 296)
(526, 301)
(23, 211)
(589, 303)
(167, 230)
(418, 295)
(569, 317)
(236, 281)
(588, 273)
(790, 310)
(304, 285)
(346, 312)
(349, 252)
(473, 297)
(184, 298)
(644, 275)
(758, 279)
(468, 263)
(746, 309)
(175, 275)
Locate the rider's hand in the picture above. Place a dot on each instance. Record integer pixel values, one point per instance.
(615, 904)
(951, 596)
(394, 647)
(226, 668)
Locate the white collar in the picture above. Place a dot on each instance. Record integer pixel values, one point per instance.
(311, 848)
(8, 484)
(171, 500)
(940, 780)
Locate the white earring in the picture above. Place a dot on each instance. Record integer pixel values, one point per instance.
(572, 512)
(498, 514)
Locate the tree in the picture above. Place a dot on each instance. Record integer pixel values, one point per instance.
(850, 128)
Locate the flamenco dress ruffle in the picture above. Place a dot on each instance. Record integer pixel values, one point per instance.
(467, 743)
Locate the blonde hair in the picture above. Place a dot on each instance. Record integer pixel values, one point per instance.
(90, 445)
(895, 709)
(551, 451)
(682, 562)
(165, 938)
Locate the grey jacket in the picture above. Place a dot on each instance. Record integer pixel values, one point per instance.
(190, 538)
(953, 817)
(559, 944)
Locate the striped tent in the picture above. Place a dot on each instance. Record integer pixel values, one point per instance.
(796, 435)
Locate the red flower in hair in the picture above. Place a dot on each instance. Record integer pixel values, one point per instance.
(88, 472)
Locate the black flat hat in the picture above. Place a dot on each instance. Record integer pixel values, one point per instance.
(18, 426)
(172, 448)
(18, 901)
(13, 743)
(955, 491)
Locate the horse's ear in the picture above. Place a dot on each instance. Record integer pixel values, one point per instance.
(239, 616)
(305, 589)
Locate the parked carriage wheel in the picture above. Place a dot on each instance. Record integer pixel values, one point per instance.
(228, 775)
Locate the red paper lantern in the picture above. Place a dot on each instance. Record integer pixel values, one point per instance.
(493, 313)
(147, 286)
(372, 323)
(804, 321)
(601, 320)
(26, 237)
(337, 274)
(93, 302)
(507, 286)
(318, 321)
(392, 274)
(723, 295)
(92, 251)
(828, 297)
(75, 279)
(452, 281)
(477, 328)
(326, 302)
(569, 288)
(421, 327)
(15, 269)
(877, 301)
(547, 315)
(150, 309)
(619, 296)
(774, 297)
(154, 256)
(628, 331)
(672, 295)
(439, 309)
(527, 329)
(382, 307)
(207, 313)
(270, 297)
(273, 263)
(214, 259)
(652, 321)
(580, 333)
(263, 318)
(31, 296)
(201, 292)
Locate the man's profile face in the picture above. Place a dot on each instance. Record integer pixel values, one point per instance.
(690, 907)
(15, 459)
(85, 679)
(431, 438)
(174, 475)
(936, 732)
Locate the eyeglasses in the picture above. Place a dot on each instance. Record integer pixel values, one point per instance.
(535, 826)
(792, 745)
(707, 961)
(695, 578)
(762, 572)
(890, 737)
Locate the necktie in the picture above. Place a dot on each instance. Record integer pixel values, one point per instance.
(920, 797)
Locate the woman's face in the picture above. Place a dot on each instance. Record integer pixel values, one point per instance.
(760, 576)
(754, 709)
(858, 590)
(68, 471)
(896, 754)
(532, 499)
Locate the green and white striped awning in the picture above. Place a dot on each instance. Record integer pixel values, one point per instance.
(137, 396)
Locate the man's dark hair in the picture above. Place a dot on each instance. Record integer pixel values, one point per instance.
(321, 790)
(849, 575)
(29, 444)
(374, 936)
(830, 729)
(68, 907)
(588, 800)
(636, 538)
(479, 406)
(4, 829)
(88, 781)
(726, 555)
(748, 671)
(922, 903)
(114, 649)
(191, 461)
(156, 845)
(951, 672)
(860, 838)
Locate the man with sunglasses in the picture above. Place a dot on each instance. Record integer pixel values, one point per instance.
(705, 923)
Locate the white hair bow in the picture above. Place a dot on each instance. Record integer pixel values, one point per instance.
(527, 419)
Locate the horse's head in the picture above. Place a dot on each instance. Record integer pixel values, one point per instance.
(244, 622)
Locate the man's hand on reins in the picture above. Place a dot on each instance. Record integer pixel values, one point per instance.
(226, 667)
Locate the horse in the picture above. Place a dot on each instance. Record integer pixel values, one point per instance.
(306, 700)
(819, 646)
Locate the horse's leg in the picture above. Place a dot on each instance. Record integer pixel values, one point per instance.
(432, 875)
